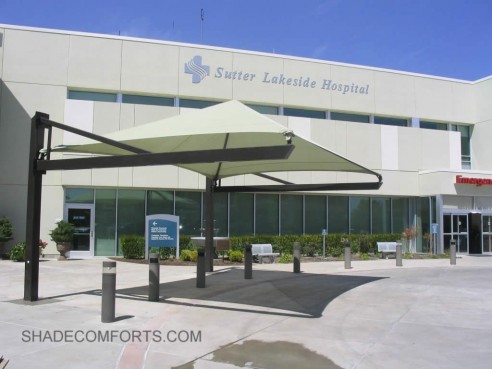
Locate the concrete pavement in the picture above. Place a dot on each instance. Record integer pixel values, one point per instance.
(426, 314)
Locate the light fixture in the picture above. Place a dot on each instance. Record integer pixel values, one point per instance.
(288, 136)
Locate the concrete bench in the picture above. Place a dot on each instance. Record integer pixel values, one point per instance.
(262, 252)
(386, 248)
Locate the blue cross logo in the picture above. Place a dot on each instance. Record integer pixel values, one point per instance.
(197, 70)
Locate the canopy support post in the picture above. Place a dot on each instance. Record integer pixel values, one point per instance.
(209, 225)
(33, 214)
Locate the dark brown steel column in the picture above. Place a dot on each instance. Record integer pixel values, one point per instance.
(33, 211)
(209, 225)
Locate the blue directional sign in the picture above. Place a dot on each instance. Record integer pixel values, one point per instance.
(162, 230)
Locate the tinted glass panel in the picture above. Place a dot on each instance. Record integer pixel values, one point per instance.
(196, 104)
(433, 125)
(130, 214)
(160, 202)
(359, 215)
(148, 100)
(314, 214)
(400, 215)
(79, 195)
(220, 214)
(264, 109)
(91, 96)
(266, 214)
(188, 208)
(338, 214)
(305, 113)
(105, 217)
(381, 215)
(391, 121)
(346, 117)
(242, 214)
(291, 216)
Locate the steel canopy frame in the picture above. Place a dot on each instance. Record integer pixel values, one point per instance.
(40, 162)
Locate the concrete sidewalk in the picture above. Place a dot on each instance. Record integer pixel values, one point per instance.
(426, 314)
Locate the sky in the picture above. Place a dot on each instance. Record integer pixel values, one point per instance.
(447, 38)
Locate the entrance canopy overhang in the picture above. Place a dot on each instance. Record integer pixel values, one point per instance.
(231, 125)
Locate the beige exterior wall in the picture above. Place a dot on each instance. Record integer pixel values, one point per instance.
(37, 67)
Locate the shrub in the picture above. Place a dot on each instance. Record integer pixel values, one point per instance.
(188, 255)
(285, 259)
(18, 252)
(132, 246)
(63, 232)
(6, 229)
(236, 256)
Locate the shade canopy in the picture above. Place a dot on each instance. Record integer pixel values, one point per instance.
(223, 126)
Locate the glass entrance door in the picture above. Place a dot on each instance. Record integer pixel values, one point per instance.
(487, 234)
(456, 227)
(82, 217)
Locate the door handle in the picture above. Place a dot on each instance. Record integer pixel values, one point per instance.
(92, 234)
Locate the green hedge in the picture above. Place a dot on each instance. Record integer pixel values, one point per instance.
(133, 247)
(312, 244)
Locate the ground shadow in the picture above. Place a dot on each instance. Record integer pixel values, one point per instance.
(269, 292)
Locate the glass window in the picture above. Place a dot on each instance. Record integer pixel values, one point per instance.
(105, 218)
(264, 109)
(92, 96)
(305, 113)
(266, 211)
(196, 104)
(242, 214)
(291, 214)
(465, 144)
(130, 214)
(399, 213)
(220, 214)
(314, 214)
(189, 210)
(381, 215)
(160, 202)
(79, 195)
(148, 100)
(433, 125)
(348, 117)
(338, 214)
(387, 121)
(423, 224)
(360, 221)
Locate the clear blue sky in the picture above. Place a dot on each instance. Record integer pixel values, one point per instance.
(449, 38)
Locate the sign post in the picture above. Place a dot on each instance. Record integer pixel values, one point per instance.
(434, 232)
(161, 230)
(324, 233)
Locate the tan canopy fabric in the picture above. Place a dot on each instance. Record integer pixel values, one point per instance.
(226, 125)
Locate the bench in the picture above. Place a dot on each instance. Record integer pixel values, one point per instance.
(386, 248)
(262, 252)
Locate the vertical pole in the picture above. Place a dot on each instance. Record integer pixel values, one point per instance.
(209, 225)
(348, 255)
(297, 257)
(324, 244)
(452, 252)
(154, 277)
(399, 261)
(248, 262)
(200, 268)
(108, 292)
(33, 212)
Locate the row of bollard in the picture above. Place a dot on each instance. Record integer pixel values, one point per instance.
(109, 273)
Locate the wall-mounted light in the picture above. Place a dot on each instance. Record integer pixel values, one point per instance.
(288, 136)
